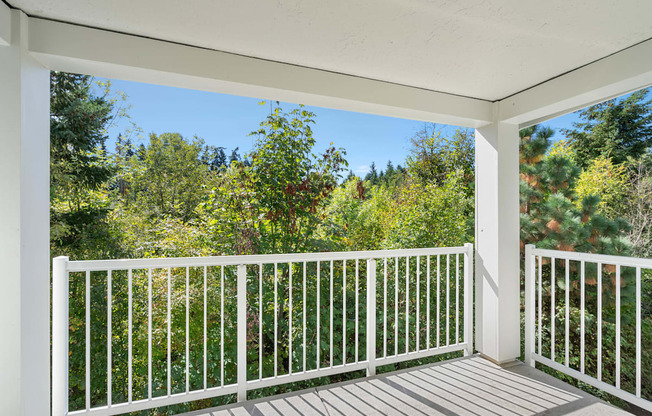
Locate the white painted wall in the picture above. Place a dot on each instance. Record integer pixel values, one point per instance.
(497, 292)
(24, 228)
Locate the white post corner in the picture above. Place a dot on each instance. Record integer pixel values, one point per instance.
(529, 304)
(497, 278)
(242, 332)
(371, 317)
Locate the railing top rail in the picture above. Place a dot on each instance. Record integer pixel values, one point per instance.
(594, 258)
(163, 263)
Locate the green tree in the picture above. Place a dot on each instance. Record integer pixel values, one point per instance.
(372, 175)
(392, 177)
(353, 222)
(169, 180)
(562, 148)
(408, 215)
(232, 214)
(389, 170)
(214, 157)
(431, 215)
(554, 217)
(289, 180)
(235, 156)
(638, 208)
(271, 202)
(609, 181)
(552, 214)
(78, 164)
(434, 157)
(619, 129)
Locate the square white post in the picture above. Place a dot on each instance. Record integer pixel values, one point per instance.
(497, 242)
(24, 225)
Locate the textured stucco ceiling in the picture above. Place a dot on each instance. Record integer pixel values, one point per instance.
(475, 48)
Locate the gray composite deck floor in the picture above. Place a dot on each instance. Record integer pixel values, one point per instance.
(465, 386)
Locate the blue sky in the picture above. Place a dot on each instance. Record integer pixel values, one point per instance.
(226, 120)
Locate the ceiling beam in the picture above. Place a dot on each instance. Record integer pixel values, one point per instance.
(609, 77)
(5, 25)
(72, 48)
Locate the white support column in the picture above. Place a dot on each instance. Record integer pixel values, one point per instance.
(24, 228)
(497, 242)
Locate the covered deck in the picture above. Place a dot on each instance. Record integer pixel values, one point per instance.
(466, 386)
(473, 64)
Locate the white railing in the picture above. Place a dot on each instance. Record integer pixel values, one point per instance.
(297, 317)
(568, 287)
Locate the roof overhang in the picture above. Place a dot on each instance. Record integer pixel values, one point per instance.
(166, 60)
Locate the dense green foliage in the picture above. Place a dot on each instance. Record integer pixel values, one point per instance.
(555, 213)
(78, 121)
(620, 129)
(434, 156)
(175, 196)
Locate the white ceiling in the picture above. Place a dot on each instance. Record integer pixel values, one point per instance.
(476, 48)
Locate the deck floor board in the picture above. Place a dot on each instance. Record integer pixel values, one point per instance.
(465, 386)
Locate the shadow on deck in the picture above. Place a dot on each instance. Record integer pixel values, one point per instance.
(465, 386)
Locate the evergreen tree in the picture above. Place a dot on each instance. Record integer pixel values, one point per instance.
(141, 152)
(235, 156)
(119, 146)
(619, 129)
(214, 157)
(553, 217)
(78, 165)
(389, 170)
(372, 175)
(219, 159)
(130, 148)
(392, 177)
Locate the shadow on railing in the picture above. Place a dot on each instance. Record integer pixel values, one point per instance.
(583, 317)
(131, 335)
